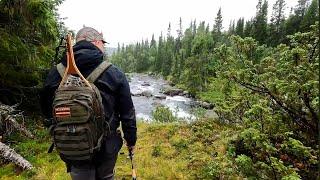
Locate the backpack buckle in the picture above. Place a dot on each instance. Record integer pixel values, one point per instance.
(71, 129)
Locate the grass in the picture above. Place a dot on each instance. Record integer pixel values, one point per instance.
(163, 151)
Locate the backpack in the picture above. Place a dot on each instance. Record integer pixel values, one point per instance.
(79, 117)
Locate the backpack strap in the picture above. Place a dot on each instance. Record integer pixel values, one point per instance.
(61, 69)
(98, 71)
(94, 74)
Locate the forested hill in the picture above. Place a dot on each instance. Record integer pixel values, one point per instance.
(262, 75)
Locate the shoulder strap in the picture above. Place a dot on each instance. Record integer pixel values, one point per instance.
(98, 71)
(61, 69)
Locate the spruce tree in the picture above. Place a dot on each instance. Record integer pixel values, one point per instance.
(248, 29)
(217, 27)
(240, 27)
(293, 23)
(232, 28)
(261, 22)
(277, 31)
(311, 16)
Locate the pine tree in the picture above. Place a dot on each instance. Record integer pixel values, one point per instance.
(311, 16)
(248, 29)
(232, 28)
(194, 28)
(301, 8)
(153, 42)
(261, 22)
(293, 23)
(277, 31)
(160, 55)
(153, 53)
(187, 40)
(217, 27)
(180, 30)
(168, 53)
(176, 68)
(240, 27)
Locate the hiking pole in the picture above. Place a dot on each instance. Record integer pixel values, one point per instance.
(134, 175)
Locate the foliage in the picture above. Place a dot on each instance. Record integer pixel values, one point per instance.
(28, 32)
(163, 114)
(262, 77)
(281, 94)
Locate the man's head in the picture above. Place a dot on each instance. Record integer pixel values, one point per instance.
(91, 35)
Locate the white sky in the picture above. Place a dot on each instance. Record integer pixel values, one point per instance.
(129, 21)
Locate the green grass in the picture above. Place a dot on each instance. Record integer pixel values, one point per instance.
(163, 151)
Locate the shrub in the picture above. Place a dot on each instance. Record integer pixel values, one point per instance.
(163, 114)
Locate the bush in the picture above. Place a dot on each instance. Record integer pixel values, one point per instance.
(212, 170)
(163, 114)
(156, 151)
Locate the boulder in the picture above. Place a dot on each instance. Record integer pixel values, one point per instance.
(204, 105)
(146, 93)
(185, 93)
(145, 84)
(160, 96)
(173, 92)
(135, 94)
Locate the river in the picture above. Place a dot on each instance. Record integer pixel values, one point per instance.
(147, 93)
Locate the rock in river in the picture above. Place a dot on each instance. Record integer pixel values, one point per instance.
(173, 91)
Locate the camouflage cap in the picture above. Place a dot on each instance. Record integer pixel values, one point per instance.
(89, 34)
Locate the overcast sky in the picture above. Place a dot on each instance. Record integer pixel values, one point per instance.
(129, 21)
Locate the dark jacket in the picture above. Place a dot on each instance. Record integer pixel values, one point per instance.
(113, 86)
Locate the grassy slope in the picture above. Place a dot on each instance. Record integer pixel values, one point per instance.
(164, 151)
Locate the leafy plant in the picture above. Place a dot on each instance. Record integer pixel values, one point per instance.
(163, 114)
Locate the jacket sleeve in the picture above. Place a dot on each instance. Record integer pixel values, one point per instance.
(127, 112)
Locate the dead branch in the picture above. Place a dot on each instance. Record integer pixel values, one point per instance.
(9, 154)
(8, 116)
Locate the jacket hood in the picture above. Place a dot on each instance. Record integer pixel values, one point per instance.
(87, 56)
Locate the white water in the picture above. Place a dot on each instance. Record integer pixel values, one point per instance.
(179, 105)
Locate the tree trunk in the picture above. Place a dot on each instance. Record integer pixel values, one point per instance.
(9, 154)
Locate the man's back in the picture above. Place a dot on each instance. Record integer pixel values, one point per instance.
(115, 93)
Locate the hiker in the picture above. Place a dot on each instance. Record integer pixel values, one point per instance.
(116, 100)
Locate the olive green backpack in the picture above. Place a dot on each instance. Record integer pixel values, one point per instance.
(79, 117)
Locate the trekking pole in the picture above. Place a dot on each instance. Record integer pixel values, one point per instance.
(134, 175)
(55, 59)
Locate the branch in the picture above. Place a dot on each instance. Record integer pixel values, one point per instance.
(250, 86)
(12, 122)
(312, 52)
(291, 112)
(306, 100)
(9, 154)
(9, 115)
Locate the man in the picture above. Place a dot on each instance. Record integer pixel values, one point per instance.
(116, 99)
